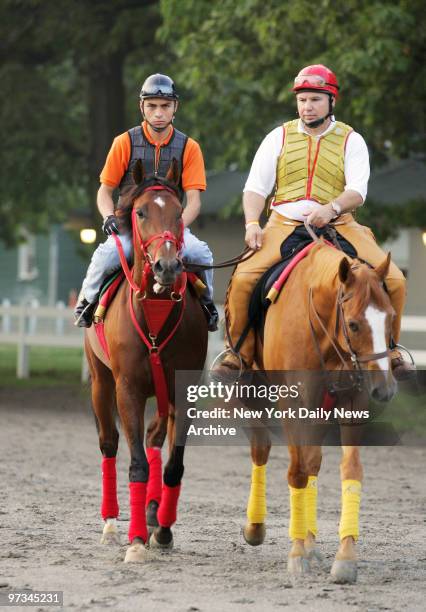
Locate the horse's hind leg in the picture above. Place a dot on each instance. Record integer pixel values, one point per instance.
(155, 436)
(344, 569)
(162, 537)
(103, 403)
(254, 530)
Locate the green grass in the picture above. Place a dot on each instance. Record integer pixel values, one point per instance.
(48, 367)
(407, 413)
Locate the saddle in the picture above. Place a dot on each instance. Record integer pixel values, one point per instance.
(292, 246)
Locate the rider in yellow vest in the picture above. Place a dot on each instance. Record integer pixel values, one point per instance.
(319, 168)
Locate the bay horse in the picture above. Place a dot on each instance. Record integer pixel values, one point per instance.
(154, 325)
(333, 314)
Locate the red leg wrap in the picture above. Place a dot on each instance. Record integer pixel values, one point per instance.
(137, 526)
(155, 480)
(167, 511)
(109, 507)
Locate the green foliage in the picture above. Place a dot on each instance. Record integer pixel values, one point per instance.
(71, 73)
(238, 60)
(56, 56)
(386, 219)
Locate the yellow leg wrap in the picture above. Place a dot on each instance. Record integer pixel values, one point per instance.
(311, 504)
(256, 506)
(298, 523)
(351, 498)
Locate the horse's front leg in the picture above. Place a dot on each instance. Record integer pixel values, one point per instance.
(155, 436)
(103, 396)
(254, 530)
(162, 536)
(312, 460)
(344, 569)
(297, 477)
(131, 407)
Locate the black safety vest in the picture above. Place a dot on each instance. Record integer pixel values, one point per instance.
(142, 149)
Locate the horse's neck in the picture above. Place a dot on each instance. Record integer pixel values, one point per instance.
(325, 284)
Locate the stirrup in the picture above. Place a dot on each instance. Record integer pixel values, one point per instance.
(405, 350)
(228, 350)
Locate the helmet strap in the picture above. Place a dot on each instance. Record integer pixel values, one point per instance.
(153, 127)
(318, 122)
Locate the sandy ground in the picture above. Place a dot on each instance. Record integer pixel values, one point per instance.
(50, 524)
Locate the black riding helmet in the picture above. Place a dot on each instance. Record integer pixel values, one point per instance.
(158, 86)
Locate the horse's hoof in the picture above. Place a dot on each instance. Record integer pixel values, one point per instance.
(297, 566)
(160, 544)
(151, 516)
(344, 571)
(313, 554)
(110, 532)
(254, 533)
(136, 553)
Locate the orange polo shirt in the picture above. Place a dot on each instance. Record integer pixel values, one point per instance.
(117, 161)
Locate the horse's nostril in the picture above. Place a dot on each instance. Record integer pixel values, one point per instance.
(375, 394)
(178, 266)
(158, 268)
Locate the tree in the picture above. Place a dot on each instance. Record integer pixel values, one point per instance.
(63, 75)
(238, 60)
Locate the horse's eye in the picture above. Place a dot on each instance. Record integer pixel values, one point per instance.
(353, 326)
(140, 213)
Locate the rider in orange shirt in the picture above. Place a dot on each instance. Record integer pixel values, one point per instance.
(156, 142)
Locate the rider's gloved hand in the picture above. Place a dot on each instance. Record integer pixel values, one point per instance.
(110, 225)
(253, 236)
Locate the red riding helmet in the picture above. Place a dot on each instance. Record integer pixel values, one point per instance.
(316, 78)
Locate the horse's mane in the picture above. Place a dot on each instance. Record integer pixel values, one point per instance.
(325, 271)
(127, 199)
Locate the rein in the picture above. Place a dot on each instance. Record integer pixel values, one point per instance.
(233, 261)
(355, 360)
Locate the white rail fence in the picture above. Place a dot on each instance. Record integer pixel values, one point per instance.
(32, 325)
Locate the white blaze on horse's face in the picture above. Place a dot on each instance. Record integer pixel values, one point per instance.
(377, 321)
(161, 203)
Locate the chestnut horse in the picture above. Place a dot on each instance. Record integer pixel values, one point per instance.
(333, 315)
(126, 379)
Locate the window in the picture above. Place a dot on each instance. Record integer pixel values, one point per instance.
(27, 270)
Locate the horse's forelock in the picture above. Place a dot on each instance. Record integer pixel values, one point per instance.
(127, 200)
(368, 289)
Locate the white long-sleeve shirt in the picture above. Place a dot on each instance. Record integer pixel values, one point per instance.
(262, 177)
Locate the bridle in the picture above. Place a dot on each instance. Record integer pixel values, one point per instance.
(351, 364)
(161, 238)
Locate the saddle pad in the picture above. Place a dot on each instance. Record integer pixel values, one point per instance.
(291, 247)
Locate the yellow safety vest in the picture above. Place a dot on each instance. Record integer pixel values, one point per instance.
(310, 168)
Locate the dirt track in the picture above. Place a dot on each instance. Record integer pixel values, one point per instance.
(50, 524)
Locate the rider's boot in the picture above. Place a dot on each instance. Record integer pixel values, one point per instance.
(83, 312)
(211, 313)
(401, 369)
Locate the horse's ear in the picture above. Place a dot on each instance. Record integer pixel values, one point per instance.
(345, 273)
(173, 172)
(138, 172)
(383, 268)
